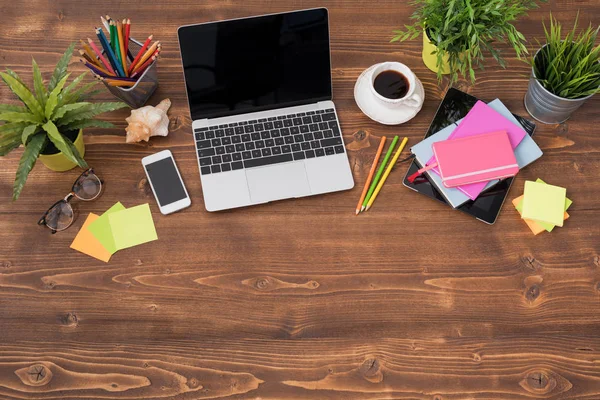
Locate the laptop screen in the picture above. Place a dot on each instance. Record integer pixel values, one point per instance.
(256, 64)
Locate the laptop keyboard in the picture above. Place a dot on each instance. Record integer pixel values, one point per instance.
(268, 141)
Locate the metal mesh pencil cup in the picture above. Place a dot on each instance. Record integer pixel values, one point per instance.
(137, 95)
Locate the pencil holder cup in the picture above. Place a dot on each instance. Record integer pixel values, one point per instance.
(137, 95)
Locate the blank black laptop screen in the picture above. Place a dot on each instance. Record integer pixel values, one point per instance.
(256, 64)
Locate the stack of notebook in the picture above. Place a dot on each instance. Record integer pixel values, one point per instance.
(469, 145)
(542, 206)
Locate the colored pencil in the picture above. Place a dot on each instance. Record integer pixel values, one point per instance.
(119, 83)
(127, 35)
(379, 172)
(142, 68)
(121, 46)
(112, 35)
(140, 63)
(105, 22)
(387, 173)
(95, 69)
(116, 78)
(87, 50)
(109, 52)
(371, 173)
(92, 61)
(140, 53)
(101, 57)
(115, 42)
(148, 54)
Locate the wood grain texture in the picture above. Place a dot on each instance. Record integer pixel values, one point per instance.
(298, 299)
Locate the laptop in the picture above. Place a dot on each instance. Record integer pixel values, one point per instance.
(260, 97)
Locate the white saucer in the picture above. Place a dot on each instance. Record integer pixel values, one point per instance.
(387, 114)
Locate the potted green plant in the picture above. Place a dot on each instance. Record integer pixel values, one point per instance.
(457, 33)
(50, 122)
(564, 73)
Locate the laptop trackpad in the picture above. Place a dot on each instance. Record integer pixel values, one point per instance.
(277, 182)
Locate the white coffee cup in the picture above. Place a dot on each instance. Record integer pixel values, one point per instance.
(411, 99)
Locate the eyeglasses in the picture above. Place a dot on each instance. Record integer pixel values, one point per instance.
(61, 215)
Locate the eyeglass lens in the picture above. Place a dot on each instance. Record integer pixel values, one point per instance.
(87, 187)
(60, 216)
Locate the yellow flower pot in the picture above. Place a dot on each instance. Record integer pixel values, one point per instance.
(430, 59)
(59, 162)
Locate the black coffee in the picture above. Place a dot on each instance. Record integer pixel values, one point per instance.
(391, 84)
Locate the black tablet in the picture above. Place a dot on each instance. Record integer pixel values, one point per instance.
(455, 105)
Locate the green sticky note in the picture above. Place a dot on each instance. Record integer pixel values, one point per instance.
(101, 230)
(132, 226)
(544, 203)
(545, 225)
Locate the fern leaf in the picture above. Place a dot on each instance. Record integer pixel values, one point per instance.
(8, 146)
(27, 132)
(27, 161)
(67, 107)
(38, 84)
(89, 111)
(9, 107)
(83, 93)
(67, 96)
(15, 75)
(10, 136)
(9, 129)
(19, 117)
(90, 94)
(61, 68)
(87, 124)
(53, 97)
(60, 143)
(23, 93)
(80, 161)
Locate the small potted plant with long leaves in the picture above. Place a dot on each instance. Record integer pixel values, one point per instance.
(564, 73)
(51, 120)
(457, 33)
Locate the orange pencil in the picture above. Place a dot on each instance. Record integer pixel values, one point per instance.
(120, 83)
(87, 50)
(371, 173)
(99, 53)
(148, 54)
(121, 46)
(140, 53)
(127, 35)
(139, 71)
(92, 61)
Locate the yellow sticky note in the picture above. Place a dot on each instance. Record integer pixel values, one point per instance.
(101, 228)
(545, 203)
(535, 227)
(132, 226)
(87, 243)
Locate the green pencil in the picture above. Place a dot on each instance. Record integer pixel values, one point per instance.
(379, 172)
(114, 40)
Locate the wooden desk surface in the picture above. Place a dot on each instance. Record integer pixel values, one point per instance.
(299, 299)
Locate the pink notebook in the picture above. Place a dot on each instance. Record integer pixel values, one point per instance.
(478, 158)
(483, 119)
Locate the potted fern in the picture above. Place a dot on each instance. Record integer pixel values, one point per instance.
(51, 120)
(564, 73)
(457, 33)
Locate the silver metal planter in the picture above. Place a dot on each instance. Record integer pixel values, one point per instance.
(547, 107)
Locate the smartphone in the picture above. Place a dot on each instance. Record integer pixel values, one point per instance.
(165, 181)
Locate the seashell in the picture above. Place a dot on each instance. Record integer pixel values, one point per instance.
(148, 121)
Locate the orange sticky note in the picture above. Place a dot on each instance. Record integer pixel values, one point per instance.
(534, 226)
(87, 243)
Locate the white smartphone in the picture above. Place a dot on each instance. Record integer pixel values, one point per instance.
(165, 181)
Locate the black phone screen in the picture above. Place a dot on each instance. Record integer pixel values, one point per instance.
(165, 181)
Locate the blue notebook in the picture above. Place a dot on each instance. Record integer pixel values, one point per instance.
(526, 152)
